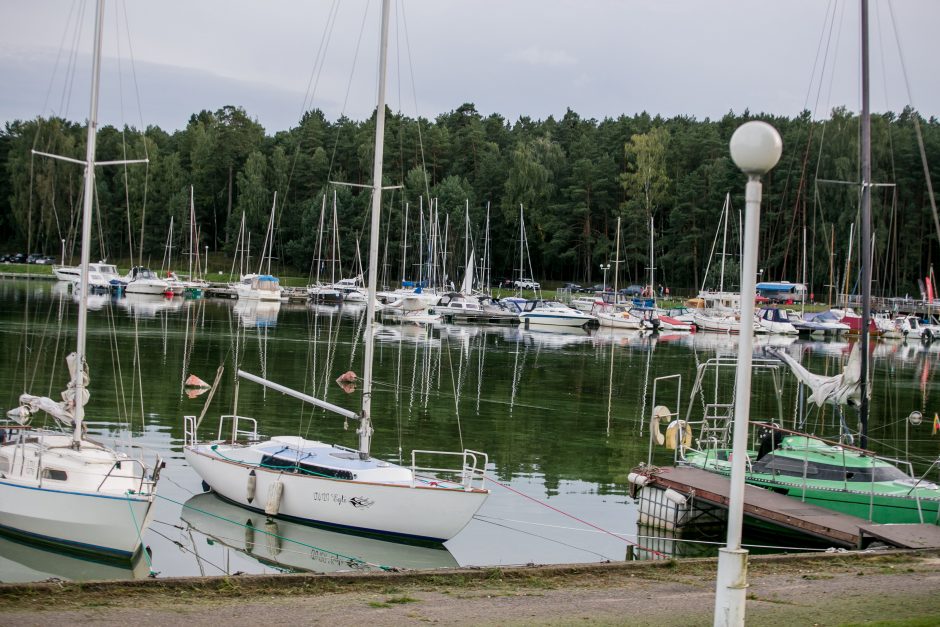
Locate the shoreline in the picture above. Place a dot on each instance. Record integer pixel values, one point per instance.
(825, 588)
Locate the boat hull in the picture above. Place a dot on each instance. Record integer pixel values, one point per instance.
(418, 514)
(97, 524)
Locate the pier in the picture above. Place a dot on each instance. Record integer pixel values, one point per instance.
(784, 511)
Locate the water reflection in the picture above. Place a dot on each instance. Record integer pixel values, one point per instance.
(148, 305)
(256, 313)
(294, 547)
(22, 562)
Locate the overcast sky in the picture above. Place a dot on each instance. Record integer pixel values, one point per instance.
(513, 57)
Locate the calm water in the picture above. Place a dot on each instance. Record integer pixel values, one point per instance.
(560, 415)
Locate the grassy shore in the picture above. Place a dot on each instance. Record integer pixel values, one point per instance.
(888, 588)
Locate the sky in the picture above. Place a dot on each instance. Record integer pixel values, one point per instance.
(166, 60)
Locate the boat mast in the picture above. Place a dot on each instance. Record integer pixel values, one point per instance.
(866, 226)
(365, 426)
(726, 212)
(652, 265)
(78, 384)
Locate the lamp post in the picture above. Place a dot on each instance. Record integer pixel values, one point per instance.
(755, 149)
(605, 268)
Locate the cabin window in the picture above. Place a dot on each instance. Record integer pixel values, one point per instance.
(54, 474)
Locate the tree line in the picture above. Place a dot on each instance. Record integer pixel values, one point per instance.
(573, 176)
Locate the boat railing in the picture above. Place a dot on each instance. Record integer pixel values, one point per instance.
(472, 472)
(144, 485)
(237, 433)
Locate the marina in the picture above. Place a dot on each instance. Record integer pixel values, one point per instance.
(561, 412)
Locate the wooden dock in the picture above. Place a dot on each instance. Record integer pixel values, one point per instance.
(790, 513)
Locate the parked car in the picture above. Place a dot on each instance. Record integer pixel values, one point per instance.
(18, 258)
(504, 283)
(572, 287)
(601, 288)
(632, 290)
(45, 261)
(526, 284)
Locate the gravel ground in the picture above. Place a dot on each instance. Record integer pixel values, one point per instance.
(888, 588)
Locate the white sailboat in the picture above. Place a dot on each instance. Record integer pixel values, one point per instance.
(56, 485)
(329, 484)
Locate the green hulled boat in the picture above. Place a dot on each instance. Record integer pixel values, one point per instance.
(831, 475)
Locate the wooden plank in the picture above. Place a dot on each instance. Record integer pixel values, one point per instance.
(767, 506)
(905, 536)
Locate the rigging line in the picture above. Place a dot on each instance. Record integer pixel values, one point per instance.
(917, 130)
(352, 72)
(546, 538)
(414, 96)
(562, 512)
(188, 550)
(274, 535)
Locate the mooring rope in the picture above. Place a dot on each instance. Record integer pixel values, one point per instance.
(573, 517)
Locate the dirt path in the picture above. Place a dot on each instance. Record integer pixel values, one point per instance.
(828, 589)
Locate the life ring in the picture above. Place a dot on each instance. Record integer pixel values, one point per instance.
(659, 412)
(678, 435)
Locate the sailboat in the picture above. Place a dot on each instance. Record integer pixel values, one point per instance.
(58, 486)
(262, 287)
(333, 485)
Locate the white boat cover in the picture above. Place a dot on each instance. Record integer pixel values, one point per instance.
(840, 389)
(62, 410)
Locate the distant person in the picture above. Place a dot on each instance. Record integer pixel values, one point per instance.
(667, 291)
(660, 290)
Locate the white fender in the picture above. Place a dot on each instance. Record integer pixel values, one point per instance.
(252, 484)
(676, 497)
(637, 479)
(274, 499)
(659, 412)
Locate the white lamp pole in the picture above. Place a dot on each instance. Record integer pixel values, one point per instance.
(605, 268)
(755, 149)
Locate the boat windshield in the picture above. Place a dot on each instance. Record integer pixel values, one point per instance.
(795, 464)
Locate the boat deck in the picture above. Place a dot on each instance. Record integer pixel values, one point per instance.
(785, 511)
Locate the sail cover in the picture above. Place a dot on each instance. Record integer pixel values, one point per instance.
(63, 411)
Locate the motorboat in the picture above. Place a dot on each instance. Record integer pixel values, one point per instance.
(101, 275)
(553, 313)
(141, 280)
(775, 321)
(258, 287)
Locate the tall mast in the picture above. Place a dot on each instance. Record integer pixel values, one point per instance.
(652, 265)
(365, 426)
(192, 213)
(726, 212)
(865, 233)
(78, 383)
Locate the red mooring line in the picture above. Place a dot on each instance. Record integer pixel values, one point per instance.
(573, 517)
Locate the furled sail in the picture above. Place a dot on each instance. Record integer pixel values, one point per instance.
(840, 389)
(62, 411)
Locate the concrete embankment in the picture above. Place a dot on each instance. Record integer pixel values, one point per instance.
(897, 588)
